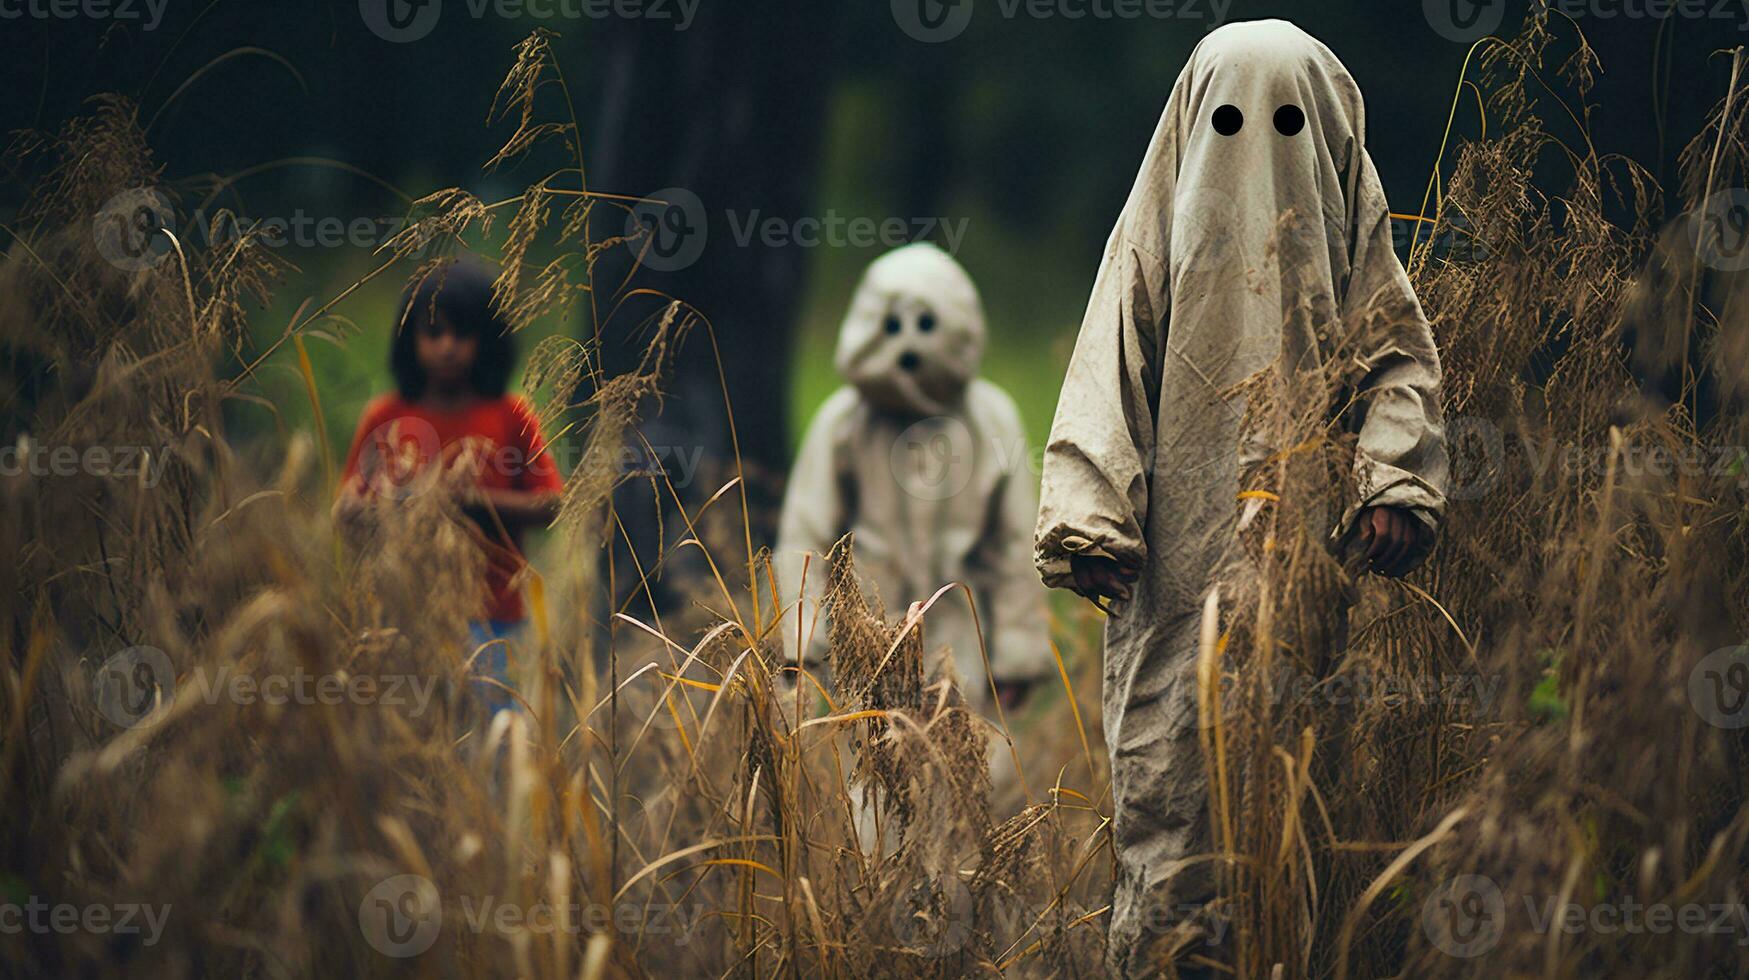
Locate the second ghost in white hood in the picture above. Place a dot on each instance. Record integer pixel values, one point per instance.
(914, 335)
(928, 465)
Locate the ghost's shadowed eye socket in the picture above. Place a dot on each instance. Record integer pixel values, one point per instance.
(926, 322)
(909, 361)
(1289, 119)
(1228, 119)
(891, 324)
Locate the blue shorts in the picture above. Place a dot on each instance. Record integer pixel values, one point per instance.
(493, 638)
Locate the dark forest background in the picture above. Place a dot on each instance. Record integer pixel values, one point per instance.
(1027, 129)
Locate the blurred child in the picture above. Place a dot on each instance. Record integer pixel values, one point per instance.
(928, 465)
(1201, 289)
(451, 357)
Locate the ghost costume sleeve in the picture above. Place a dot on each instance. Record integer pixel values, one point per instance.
(815, 514)
(1098, 461)
(1400, 458)
(1008, 589)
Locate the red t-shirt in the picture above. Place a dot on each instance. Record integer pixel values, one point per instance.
(499, 439)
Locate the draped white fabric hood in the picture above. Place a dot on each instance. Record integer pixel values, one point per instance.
(914, 335)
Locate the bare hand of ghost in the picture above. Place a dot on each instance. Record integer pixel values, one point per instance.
(1392, 537)
(1099, 579)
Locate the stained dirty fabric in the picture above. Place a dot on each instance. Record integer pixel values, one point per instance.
(1256, 230)
(927, 464)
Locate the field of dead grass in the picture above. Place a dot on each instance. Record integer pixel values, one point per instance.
(1526, 718)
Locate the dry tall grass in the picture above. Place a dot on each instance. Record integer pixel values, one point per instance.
(1520, 710)
(666, 806)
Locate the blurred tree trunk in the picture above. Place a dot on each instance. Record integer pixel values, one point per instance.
(730, 111)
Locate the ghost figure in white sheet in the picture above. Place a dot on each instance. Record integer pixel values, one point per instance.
(928, 465)
(1255, 232)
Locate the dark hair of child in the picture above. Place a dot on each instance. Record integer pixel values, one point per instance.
(462, 290)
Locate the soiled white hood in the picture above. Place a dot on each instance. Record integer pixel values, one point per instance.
(1258, 220)
(914, 335)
